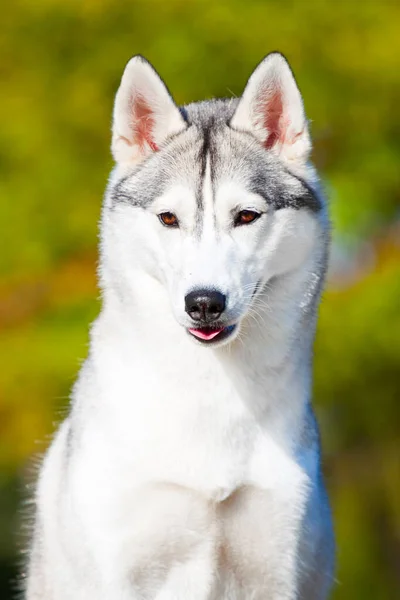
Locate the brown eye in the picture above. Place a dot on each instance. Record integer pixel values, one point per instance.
(168, 219)
(244, 217)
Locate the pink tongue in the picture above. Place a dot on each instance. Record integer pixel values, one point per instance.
(206, 334)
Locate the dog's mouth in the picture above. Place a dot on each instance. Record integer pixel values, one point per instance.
(210, 335)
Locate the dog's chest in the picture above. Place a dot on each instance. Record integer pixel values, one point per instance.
(205, 437)
(235, 522)
(239, 541)
(180, 483)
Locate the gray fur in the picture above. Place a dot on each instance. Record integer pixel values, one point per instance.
(209, 136)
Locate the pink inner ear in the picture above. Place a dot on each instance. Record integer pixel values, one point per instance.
(143, 123)
(274, 120)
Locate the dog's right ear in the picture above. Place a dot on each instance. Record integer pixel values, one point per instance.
(144, 113)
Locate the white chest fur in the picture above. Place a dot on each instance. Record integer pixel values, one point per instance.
(195, 465)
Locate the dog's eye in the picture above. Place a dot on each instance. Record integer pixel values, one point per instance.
(168, 219)
(244, 217)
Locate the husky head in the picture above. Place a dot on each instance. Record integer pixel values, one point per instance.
(213, 201)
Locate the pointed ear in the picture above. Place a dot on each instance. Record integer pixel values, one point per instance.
(144, 113)
(271, 108)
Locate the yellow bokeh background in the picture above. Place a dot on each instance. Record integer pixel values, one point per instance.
(60, 63)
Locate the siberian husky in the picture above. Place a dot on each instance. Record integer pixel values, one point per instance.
(189, 465)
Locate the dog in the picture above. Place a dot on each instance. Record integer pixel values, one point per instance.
(188, 467)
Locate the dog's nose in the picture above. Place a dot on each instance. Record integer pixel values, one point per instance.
(205, 305)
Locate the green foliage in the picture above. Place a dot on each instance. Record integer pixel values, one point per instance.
(61, 63)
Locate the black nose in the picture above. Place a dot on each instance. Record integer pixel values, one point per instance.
(205, 305)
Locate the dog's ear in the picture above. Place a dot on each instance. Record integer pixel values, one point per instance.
(271, 108)
(144, 113)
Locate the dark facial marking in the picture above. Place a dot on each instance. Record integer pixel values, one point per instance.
(120, 194)
(139, 188)
(310, 199)
(202, 158)
(272, 188)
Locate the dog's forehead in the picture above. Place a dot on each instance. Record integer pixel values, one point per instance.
(217, 154)
(210, 148)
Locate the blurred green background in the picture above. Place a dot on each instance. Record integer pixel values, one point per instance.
(60, 63)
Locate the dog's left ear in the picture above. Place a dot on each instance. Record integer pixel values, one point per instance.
(145, 114)
(271, 108)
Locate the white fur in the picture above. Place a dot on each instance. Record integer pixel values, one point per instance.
(182, 471)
